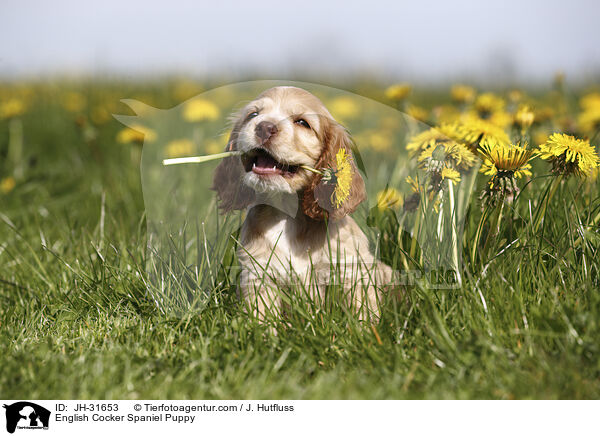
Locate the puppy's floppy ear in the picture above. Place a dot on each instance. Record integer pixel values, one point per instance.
(232, 193)
(317, 202)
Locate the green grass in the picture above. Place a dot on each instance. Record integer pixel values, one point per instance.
(76, 322)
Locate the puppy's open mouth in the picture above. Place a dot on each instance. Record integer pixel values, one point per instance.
(260, 162)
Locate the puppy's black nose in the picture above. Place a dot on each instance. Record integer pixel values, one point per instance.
(264, 130)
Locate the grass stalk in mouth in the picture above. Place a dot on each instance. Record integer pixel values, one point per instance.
(217, 156)
(312, 170)
(200, 159)
(340, 178)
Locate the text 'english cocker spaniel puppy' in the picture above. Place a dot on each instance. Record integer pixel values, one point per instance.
(294, 231)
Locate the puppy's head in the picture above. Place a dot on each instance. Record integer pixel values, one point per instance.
(283, 129)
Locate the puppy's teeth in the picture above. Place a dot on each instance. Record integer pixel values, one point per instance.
(254, 165)
(274, 168)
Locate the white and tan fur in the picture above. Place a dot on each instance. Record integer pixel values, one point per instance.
(293, 232)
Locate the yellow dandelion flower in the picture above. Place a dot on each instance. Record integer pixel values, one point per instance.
(343, 176)
(450, 174)
(462, 94)
(425, 139)
(476, 132)
(340, 177)
(435, 179)
(398, 91)
(200, 110)
(7, 184)
(524, 117)
(13, 107)
(432, 137)
(414, 185)
(343, 108)
(489, 169)
(136, 134)
(389, 198)
(505, 163)
(506, 160)
(179, 148)
(501, 119)
(453, 154)
(589, 119)
(569, 155)
(488, 103)
(590, 101)
(418, 113)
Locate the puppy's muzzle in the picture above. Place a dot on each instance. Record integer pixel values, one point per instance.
(264, 131)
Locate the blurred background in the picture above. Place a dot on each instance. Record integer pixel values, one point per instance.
(424, 42)
(90, 267)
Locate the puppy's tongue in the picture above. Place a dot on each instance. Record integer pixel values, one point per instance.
(265, 165)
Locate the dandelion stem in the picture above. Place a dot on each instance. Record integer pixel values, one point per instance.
(580, 238)
(200, 159)
(400, 244)
(495, 226)
(312, 170)
(478, 233)
(440, 217)
(216, 156)
(454, 235)
(415, 235)
(550, 191)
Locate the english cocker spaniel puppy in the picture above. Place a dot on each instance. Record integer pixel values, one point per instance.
(293, 231)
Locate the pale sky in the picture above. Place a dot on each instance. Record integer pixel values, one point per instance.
(418, 40)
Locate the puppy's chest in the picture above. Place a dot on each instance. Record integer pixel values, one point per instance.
(281, 243)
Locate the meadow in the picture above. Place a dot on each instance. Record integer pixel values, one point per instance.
(79, 313)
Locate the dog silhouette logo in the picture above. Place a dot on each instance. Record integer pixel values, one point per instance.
(26, 415)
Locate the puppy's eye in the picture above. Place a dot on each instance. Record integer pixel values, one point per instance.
(252, 115)
(302, 123)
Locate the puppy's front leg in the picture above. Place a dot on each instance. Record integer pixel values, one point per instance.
(366, 288)
(260, 296)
